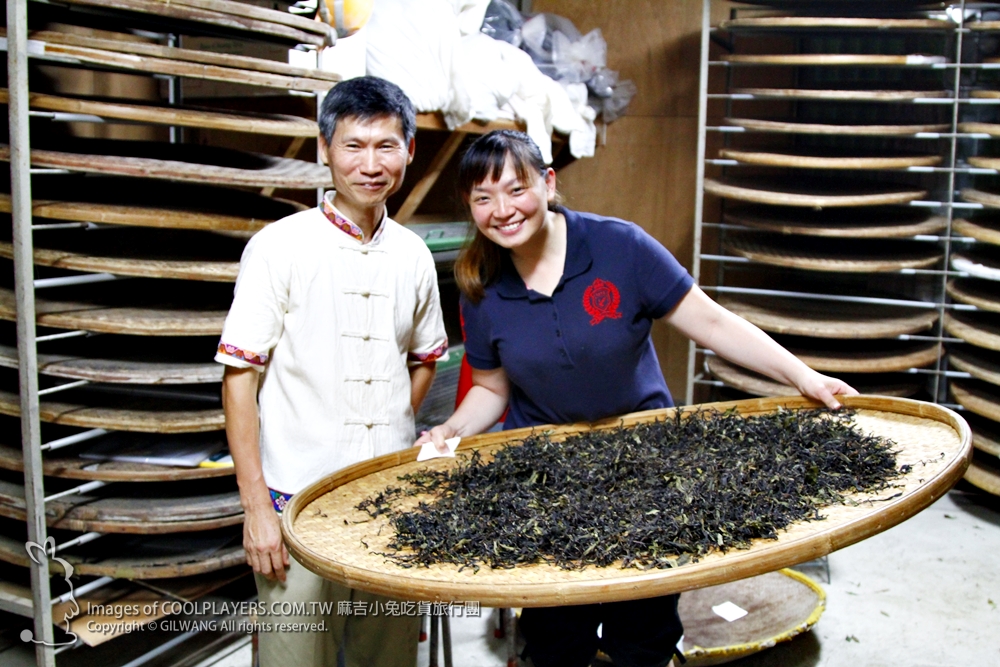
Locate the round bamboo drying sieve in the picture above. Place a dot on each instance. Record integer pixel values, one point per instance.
(977, 229)
(839, 22)
(834, 59)
(769, 159)
(974, 293)
(790, 194)
(828, 255)
(984, 474)
(319, 529)
(980, 365)
(839, 223)
(858, 95)
(983, 331)
(823, 128)
(760, 385)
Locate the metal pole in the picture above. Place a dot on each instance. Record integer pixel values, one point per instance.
(20, 184)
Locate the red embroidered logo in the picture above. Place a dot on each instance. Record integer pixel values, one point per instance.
(601, 300)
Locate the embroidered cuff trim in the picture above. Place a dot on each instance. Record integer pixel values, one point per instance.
(244, 355)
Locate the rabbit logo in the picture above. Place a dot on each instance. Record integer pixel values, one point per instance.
(48, 552)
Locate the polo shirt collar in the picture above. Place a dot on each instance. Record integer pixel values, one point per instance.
(510, 285)
(341, 222)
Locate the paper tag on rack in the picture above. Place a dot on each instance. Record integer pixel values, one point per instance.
(729, 611)
(429, 451)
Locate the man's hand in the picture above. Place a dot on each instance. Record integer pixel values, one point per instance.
(265, 550)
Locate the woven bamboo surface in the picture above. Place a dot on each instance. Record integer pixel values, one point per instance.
(886, 358)
(851, 95)
(781, 605)
(836, 59)
(828, 255)
(828, 162)
(837, 22)
(820, 128)
(983, 162)
(118, 371)
(988, 199)
(980, 364)
(161, 420)
(979, 397)
(985, 434)
(173, 561)
(70, 466)
(118, 319)
(824, 319)
(992, 129)
(178, 206)
(783, 193)
(188, 163)
(982, 329)
(319, 527)
(871, 222)
(984, 474)
(183, 116)
(981, 294)
(981, 229)
(759, 385)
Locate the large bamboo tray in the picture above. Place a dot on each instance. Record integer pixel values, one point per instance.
(824, 319)
(756, 384)
(797, 161)
(985, 434)
(838, 22)
(125, 371)
(834, 59)
(142, 203)
(880, 356)
(979, 397)
(814, 254)
(183, 116)
(118, 319)
(189, 163)
(992, 129)
(847, 95)
(982, 329)
(984, 473)
(820, 195)
(318, 528)
(162, 419)
(150, 514)
(980, 228)
(987, 199)
(980, 364)
(870, 222)
(978, 293)
(145, 557)
(784, 127)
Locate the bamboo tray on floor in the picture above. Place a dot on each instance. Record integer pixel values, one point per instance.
(871, 356)
(842, 256)
(982, 229)
(803, 161)
(146, 203)
(835, 59)
(164, 418)
(979, 293)
(126, 371)
(867, 222)
(118, 319)
(820, 195)
(848, 95)
(826, 319)
(226, 14)
(837, 22)
(750, 382)
(979, 397)
(785, 127)
(129, 557)
(182, 116)
(320, 530)
(780, 606)
(980, 364)
(138, 515)
(189, 163)
(982, 329)
(984, 473)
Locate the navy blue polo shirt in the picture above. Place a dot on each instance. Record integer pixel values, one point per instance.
(585, 352)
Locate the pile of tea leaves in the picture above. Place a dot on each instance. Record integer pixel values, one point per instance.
(651, 496)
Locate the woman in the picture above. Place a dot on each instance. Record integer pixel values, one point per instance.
(557, 308)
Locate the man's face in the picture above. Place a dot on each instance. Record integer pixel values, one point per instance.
(368, 160)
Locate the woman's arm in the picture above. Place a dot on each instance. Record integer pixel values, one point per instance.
(480, 409)
(731, 337)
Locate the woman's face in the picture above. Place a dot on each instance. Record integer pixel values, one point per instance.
(509, 211)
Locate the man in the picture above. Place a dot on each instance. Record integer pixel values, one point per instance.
(337, 317)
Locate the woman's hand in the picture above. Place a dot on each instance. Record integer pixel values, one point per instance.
(437, 435)
(824, 389)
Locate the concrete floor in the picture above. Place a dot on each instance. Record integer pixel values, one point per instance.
(922, 594)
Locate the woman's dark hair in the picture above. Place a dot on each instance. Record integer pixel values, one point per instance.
(480, 261)
(366, 98)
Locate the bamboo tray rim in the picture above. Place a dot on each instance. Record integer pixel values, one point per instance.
(632, 584)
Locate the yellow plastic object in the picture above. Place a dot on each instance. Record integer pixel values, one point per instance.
(347, 16)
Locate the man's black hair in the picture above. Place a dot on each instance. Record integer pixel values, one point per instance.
(366, 98)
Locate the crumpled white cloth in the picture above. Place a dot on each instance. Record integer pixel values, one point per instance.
(434, 51)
